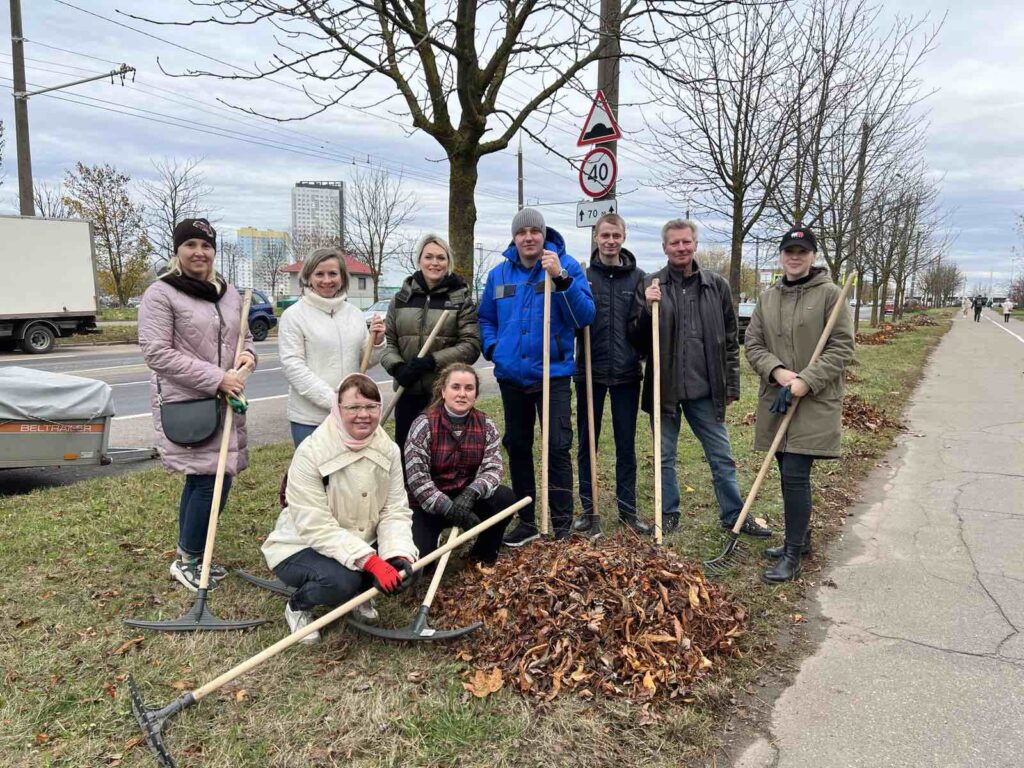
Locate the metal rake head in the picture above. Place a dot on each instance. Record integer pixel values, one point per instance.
(152, 721)
(734, 554)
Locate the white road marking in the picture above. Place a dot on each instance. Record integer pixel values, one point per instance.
(1002, 327)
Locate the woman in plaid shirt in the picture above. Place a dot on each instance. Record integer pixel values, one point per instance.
(453, 466)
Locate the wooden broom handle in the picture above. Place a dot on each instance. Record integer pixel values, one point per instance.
(286, 642)
(367, 352)
(780, 433)
(545, 410)
(656, 411)
(435, 582)
(222, 458)
(424, 350)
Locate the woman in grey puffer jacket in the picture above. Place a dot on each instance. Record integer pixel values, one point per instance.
(189, 322)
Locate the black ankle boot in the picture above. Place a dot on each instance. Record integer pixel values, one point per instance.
(788, 566)
(774, 553)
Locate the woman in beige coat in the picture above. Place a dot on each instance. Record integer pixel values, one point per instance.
(347, 525)
(787, 322)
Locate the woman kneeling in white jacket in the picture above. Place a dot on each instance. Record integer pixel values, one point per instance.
(321, 341)
(347, 525)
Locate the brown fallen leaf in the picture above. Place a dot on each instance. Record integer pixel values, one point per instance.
(415, 677)
(111, 690)
(241, 695)
(127, 645)
(483, 684)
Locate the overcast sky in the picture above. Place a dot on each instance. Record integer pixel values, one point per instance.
(974, 141)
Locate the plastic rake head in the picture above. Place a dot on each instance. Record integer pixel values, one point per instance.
(734, 554)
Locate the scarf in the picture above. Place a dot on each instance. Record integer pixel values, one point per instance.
(330, 306)
(200, 289)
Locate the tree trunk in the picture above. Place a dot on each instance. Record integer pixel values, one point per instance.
(736, 250)
(462, 179)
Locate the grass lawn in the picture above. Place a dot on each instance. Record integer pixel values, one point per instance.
(119, 313)
(77, 559)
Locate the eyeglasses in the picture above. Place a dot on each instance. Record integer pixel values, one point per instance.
(357, 409)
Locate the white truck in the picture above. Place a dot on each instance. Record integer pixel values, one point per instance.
(48, 285)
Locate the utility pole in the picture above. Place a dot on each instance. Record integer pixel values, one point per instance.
(21, 97)
(608, 68)
(341, 215)
(519, 162)
(858, 197)
(21, 113)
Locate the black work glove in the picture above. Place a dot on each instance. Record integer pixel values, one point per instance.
(782, 400)
(406, 375)
(411, 576)
(461, 514)
(423, 364)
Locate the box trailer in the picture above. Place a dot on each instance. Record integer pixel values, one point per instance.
(49, 285)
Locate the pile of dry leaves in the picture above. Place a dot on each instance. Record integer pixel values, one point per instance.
(885, 333)
(617, 617)
(858, 414)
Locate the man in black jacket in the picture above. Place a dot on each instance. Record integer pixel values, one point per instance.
(615, 367)
(700, 368)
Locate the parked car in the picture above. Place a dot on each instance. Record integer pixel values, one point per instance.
(379, 308)
(286, 301)
(261, 315)
(743, 314)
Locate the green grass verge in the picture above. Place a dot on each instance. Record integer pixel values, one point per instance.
(77, 559)
(119, 313)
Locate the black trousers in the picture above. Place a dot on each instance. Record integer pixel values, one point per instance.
(320, 580)
(408, 408)
(522, 411)
(625, 409)
(977, 314)
(795, 472)
(426, 528)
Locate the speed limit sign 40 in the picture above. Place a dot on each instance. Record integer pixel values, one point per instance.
(597, 174)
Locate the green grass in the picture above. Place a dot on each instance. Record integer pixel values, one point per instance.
(108, 334)
(119, 313)
(77, 559)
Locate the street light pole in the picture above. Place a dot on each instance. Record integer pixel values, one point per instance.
(26, 203)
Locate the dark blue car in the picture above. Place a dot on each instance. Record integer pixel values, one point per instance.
(261, 315)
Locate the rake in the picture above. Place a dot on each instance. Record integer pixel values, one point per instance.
(656, 412)
(152, 721)
(419, 629)
(199, 617)
(735, 552)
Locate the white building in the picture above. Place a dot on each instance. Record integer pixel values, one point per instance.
(317, 208)
(264, 250)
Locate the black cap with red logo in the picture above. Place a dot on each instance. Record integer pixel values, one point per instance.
(799, 236)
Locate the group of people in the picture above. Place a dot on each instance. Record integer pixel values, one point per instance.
(979, 302)
(358, 508)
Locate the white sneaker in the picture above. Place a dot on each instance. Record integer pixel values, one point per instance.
(299, 619)
(366, 613)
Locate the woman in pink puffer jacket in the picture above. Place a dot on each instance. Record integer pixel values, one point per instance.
(189, 322)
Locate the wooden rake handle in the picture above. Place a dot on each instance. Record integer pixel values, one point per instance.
(222, 458)
(545, 408)
(286, 642)
(591, 433)
(780, 433)
(424, 351)
(656, 411)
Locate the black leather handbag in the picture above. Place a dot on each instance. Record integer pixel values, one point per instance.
(191, 422)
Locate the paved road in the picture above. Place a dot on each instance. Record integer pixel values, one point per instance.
(922, 664)
(122, 367)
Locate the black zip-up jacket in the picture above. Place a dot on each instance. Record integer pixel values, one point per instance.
(614, 360)
(721, 346)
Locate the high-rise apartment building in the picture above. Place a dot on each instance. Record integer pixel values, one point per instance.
(318, 208)
(266, 250)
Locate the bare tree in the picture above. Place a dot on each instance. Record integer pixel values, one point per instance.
(448, 62)
(377, 208)
(49, 201)
(309, 240)
(101, 194)
(726, 149)
(177, 191)
(267, 261)
(229, 258)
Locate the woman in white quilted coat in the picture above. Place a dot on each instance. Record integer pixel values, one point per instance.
(321, 339)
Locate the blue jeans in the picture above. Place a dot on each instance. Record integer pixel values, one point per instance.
(194, 511)
(714, 438)
(625, 409)
(301, 431)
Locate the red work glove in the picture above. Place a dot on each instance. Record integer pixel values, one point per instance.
(385, 577)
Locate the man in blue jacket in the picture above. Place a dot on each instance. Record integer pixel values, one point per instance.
(511, 324)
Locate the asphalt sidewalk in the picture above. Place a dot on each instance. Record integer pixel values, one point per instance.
(922, 664)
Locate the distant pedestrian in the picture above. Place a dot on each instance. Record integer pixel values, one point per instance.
(966, 304)
(1007, 309)
(979, 304)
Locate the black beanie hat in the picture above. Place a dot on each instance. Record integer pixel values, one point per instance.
(198, 229)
